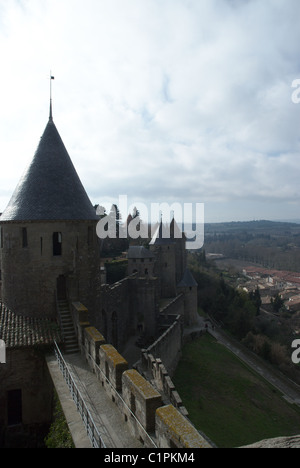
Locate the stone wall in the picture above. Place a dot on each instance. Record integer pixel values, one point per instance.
(113, 312)
(142, 399)
(130, 304)
(165, 268)
(163, 382)
(32, 272)
(26, 375)
(174, 307)
(140, 404)
(174, 430)
(169, 345)
(92, 342)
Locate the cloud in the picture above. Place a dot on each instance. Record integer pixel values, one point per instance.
(184, 100)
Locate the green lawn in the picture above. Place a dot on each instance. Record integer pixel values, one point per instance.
(229, 402)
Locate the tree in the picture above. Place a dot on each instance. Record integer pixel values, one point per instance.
(241, 315)
(256, 299)
(277, 303)
(117, 219)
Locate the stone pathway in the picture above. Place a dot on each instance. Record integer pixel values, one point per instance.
(106, 415)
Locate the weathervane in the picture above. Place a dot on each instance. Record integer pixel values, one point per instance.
(51, 78)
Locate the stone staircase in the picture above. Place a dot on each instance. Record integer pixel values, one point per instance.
(70, 340)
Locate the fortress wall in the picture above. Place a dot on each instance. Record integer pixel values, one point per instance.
(140, 404)
(113, 313)
(112, 365)
(141, 398)
(80, 317)
(174, 307)
(144, 305)
(168, 346)
(25, 374)
(92, 342)
(174, 430)
(164, 382)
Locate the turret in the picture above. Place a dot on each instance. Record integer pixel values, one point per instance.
(48, 242)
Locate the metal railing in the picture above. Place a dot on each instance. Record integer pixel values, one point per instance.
(124, 404)
(91, 429)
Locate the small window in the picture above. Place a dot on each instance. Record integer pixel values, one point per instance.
(57, 243)
(14, 407)
(24, 237)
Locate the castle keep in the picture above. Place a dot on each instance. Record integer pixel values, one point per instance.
(50, 267)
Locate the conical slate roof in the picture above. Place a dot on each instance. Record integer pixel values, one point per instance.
(187, 280)
(167, 234)
(50, 189)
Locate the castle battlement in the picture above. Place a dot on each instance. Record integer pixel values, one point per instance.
(140, 403)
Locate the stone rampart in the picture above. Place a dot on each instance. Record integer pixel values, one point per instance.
(168, 346)
(174, 307)
(92, 342)
(140, 404)
(112, 365)
(141, 398)
(174, 430)
(163, 381)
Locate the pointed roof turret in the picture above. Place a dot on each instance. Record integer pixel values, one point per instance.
(50, 189)
(166, 234)
(162, 235)
(188, 280)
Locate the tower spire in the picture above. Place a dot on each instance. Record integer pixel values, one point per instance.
(50, 113)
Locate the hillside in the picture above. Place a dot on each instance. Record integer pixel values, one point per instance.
(229, 402)
(272, 244)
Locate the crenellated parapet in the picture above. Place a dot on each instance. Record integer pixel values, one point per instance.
(174, 430)
(141, 404)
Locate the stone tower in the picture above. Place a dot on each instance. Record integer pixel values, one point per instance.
(188, 286)
(168, 244)
(48, 242)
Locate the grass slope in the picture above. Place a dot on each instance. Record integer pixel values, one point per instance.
(229, 402)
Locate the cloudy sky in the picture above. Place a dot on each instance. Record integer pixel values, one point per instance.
(186, 101)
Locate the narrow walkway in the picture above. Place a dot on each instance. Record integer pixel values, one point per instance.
(107, 417)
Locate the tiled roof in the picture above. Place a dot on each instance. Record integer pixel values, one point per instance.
(50, 189)
(18, 331)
